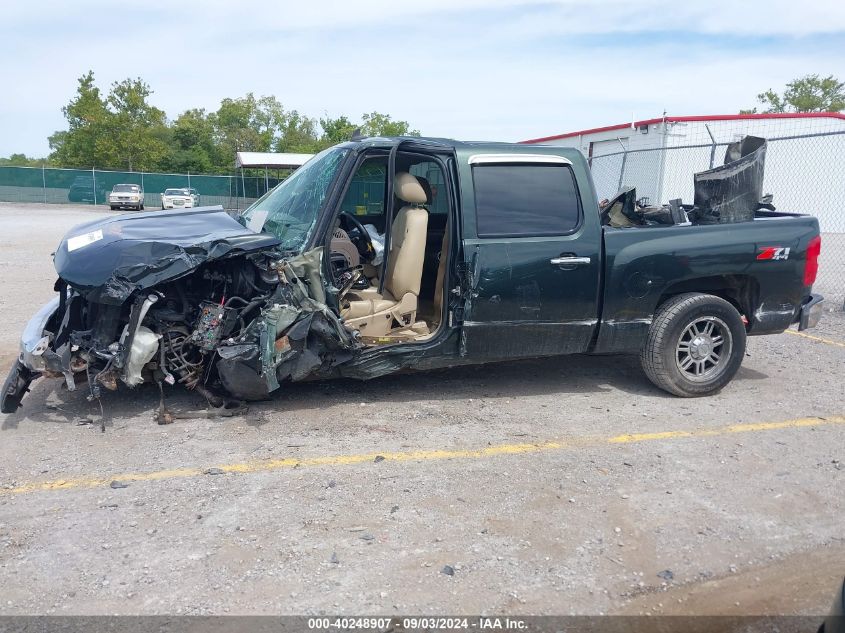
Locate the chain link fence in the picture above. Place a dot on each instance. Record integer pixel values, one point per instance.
(92, 186)
(804, 172)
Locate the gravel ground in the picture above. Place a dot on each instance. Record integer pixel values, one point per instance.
(502, 491)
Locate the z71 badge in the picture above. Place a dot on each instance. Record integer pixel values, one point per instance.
(773, 252)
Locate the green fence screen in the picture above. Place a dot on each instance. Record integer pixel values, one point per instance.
(87, 186)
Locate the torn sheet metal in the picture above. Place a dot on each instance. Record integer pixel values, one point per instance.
(621, 210)
(732, 192)
(295, 337)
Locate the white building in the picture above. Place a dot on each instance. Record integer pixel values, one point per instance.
(804, 160)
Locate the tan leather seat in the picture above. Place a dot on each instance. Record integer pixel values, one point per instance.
(441, 274)
(375, 314)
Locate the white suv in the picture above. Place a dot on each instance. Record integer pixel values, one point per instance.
(127, 196)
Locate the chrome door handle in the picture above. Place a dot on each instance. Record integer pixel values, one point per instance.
(570, 261)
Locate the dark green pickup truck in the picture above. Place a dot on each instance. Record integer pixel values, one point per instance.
(486, 252)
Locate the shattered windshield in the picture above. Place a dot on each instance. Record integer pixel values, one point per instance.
(289, 211)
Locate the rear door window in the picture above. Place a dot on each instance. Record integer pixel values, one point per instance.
(525, 200)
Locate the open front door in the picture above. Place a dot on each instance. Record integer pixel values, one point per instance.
(532, 271)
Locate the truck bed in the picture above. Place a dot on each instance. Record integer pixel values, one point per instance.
(644, 265)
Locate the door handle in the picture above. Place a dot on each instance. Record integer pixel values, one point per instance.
(570, 261)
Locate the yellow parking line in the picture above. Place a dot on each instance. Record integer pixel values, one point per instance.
(423, 455)
(816, 338)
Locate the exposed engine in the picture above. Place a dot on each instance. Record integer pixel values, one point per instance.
(169, 333)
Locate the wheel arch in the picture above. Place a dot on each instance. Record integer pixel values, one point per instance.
(741, 291)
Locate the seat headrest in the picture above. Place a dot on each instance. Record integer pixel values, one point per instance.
(429, 195)
(408, 189)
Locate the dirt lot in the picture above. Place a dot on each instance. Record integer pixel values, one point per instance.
(552, 487)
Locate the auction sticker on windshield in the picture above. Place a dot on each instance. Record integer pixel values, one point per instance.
(81, 241)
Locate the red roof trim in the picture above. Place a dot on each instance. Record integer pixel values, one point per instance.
(682, 119)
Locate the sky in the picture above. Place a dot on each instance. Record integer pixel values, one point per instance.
(504, 70)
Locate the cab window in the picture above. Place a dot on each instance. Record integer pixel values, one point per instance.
(525, 200)
(365, 196)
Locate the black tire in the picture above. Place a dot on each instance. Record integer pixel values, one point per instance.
(16, 386)
(113, 208)
(695, 345)
(140, 207)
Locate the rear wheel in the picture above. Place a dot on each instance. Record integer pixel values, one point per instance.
(140, 207)
(695, 345)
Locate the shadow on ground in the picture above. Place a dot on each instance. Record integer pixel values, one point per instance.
(49, 402)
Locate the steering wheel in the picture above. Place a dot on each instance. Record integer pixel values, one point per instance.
(359, 236)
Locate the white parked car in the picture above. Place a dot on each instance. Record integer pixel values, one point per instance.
(179, 198)
(127, 196)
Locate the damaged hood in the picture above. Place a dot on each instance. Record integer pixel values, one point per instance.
(107, 260)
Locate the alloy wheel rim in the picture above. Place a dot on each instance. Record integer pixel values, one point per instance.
(703, 349)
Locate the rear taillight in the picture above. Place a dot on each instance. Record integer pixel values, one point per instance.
(811, 266)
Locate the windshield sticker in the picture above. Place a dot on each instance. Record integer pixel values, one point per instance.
(81, 241)
(256, 220)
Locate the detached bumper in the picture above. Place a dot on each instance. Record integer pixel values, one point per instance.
(811, 312)
(33, 342)
(31, 362)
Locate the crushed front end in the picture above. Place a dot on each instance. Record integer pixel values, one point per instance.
(217, 309)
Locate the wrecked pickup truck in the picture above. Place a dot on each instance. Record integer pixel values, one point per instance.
(386, 254)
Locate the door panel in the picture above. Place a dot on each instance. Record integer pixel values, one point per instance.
(528, 298)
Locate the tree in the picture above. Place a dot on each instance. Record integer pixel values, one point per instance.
(86, 115)
(810, 93)
(125, 131)
(137, 137)
(298, 134)
(336, 131)
(376, 124)
(21, 160)
(243, 125)
(193, 146)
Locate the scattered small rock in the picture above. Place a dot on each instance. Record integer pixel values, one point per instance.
(666, 575)
(394, 509)
(332, 483)
(214, 471)
(118, 484)
(367, 537)
(379, 458)
(333, 559)
(448, 570)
